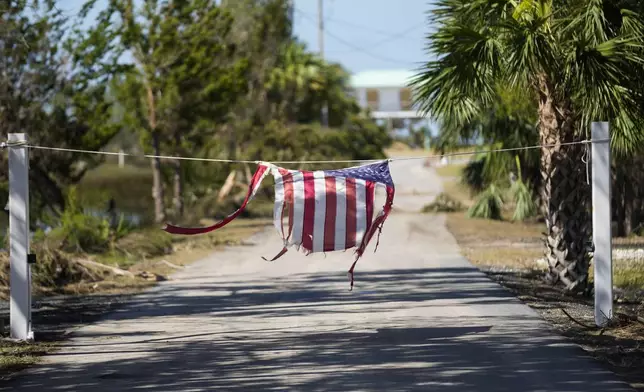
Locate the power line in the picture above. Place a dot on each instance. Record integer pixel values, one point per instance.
(325, 107)
(389, 35)
(371, 29)
(373, 55)
(391, 38)
(353, 46)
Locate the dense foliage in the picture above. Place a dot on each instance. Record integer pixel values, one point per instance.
(194, 78)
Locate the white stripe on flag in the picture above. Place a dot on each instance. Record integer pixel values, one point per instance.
(298, 208)
(279, 202)
(258, 184)
(361, 209)
(319, 183)
(340, 213)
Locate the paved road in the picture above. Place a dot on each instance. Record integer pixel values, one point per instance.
(420, 319)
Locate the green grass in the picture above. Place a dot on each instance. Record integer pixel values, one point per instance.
(627, 274)
(629, 278)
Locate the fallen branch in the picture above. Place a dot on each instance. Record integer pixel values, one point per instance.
(227, 187)
(631, 317)
(114, 270)
(249, 175)
(577, 322)
(169, 264)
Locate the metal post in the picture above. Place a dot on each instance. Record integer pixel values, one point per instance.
(20, 278)
(602, 259)
(321, 27)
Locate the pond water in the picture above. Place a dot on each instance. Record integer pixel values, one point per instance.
(131, 218)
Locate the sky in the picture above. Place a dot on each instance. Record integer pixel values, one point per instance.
(367, 34)
(361, 35)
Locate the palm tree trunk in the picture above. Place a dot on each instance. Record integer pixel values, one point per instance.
(629, 204)
(565, 194)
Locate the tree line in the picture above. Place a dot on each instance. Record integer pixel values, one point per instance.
(201, 78)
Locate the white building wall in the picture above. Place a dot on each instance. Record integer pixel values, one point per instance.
(389, 99)
(361, 96)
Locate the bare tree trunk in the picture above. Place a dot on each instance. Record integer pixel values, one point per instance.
(227, 187)
(178, 181)
(629, 209)
(565, 193)
(619, 200)
(157, 181)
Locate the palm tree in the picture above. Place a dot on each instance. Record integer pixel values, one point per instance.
(580, 57)
(297, 72)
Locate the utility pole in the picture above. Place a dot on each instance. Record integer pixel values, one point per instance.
(325, 108)
(291, 10)
(321, 27)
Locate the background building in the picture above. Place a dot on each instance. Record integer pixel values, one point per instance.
(385, 93)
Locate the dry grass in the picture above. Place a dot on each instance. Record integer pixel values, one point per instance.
(503, 258)
(16, 356)
(185, 250)
(452, 172)
(488, 243)
(398, 149)
(482, 232)
(628, 275)
(498, 244)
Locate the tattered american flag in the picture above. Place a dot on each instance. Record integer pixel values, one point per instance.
(326, 210)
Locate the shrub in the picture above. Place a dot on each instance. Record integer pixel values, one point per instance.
(525, 206)
(443, 203)
(489, 205)
(78, 231)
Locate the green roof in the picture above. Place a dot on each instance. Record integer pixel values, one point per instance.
(381, 79)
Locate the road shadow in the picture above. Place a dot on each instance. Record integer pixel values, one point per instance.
(500, 350)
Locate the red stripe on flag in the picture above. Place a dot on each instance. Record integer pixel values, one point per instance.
(331, 208)
(287, 180)
(309, 210)
(254, 183)
(351, 213)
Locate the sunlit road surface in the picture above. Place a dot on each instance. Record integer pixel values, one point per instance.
(420, 318)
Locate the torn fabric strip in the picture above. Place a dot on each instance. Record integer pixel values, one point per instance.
(325, 210)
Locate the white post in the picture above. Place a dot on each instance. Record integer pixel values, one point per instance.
(121, 159)
(602, 259)
(20, 278)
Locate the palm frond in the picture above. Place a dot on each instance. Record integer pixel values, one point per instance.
(462, 79)
(489, 205)
(525, 206)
